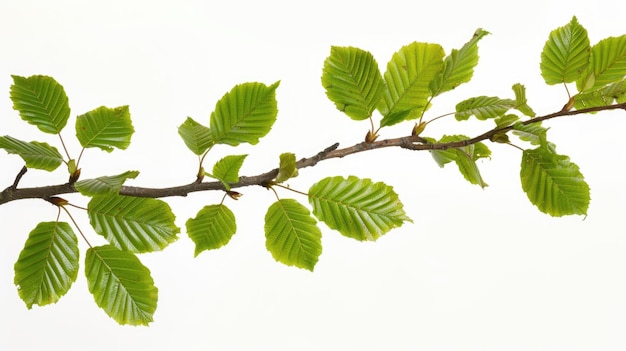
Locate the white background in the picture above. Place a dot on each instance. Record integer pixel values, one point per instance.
(477, 270)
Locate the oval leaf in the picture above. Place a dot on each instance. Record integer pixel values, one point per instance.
(244, 114)
(464, 157)
(121, 285)
(227, 169)
(352, 81)
(41, 101)
(607, 64)
(483, 107)
(553, 183)
(212, 228)
(35, 154)
(292, 236)
(133, 223)
(196, 136)
(287, 167)
(566, 54)
(357, 208)
(48, 264)
(105, 128)
(104, 185)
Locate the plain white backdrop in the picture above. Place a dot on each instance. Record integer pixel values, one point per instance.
(479, 269)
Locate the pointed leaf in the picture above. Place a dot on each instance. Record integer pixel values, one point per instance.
(566, 54)
(105, 184)
(357, 208)
(553, 183)
(41, 101)
(464, 157)
(352, 81)
(212, 228)
(292, 236)
(287, 168)
(133, 223)
(227, 169)
(407, 78)
(196, 136)
(533, 133)
(604, 96)
(458, 66)
(121, 285)
(244, 114)
(48, 264)
(483, 107)
(521, 104)
(607, 64)
(35, 154)
(105, 128)
(506, 120)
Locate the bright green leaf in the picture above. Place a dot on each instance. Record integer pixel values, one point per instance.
(357, 208)
(244, 114)
(533, 133)
(292, 235)
(566, 54)
(212, 228)
(607, 64)
(352, 81)
(459, 66)
(521, 104)
(133, 223)
(196, 136)
(121, 285)
(41, 101)
(465, 157)
(553, 183)
(227, 169)
(105, 128)
(35, 154)
(604, 96)
(407, 78)
(287, 168)
(48, 264)
(105, 184)
(483, 107)
(506, 120)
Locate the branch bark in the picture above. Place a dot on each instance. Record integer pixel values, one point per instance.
(411, 142)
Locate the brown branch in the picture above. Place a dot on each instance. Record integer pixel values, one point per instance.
(408, 142)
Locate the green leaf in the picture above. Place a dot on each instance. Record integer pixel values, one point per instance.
(533, 133)
(105, 128)
(607, 64)
(133, 223)
(553, 183)
(357, 208)
(196, 136)
(458, 67)
(212, 228)
(121, 285)
(506, 120)
(244, 114)
(227, 169)
(292, 235)
(352, 81)
(483, 107)
(465, 157)
(105, 184)
(566, 54)
(407, 78)
(287, 168)
(41, 101)
(35, 154)
(604, 96)
(521, 104)
(48, 264)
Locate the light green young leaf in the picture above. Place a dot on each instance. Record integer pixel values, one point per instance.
(105, 128)
(196, 136)
(133, 223)
(553, 183)
(292, 235)
(287, 168)
(41, 101)
(352, 81)
(607, 64)
(566, 54)
(506, 120)
(48, 264)
(227, 169)
(521, 104)
(459, 66)
(533, 133)
(464, 157)
(245, 114)
(212, 228)
(105, 184)
(35, 154)
(357, 208)
(121, 285)
(604, 96)
(407, 78)
(483, 107)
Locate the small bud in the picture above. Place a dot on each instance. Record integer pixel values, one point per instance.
(57, 201)
(370, 137)
(418, 129)
(234, 195)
